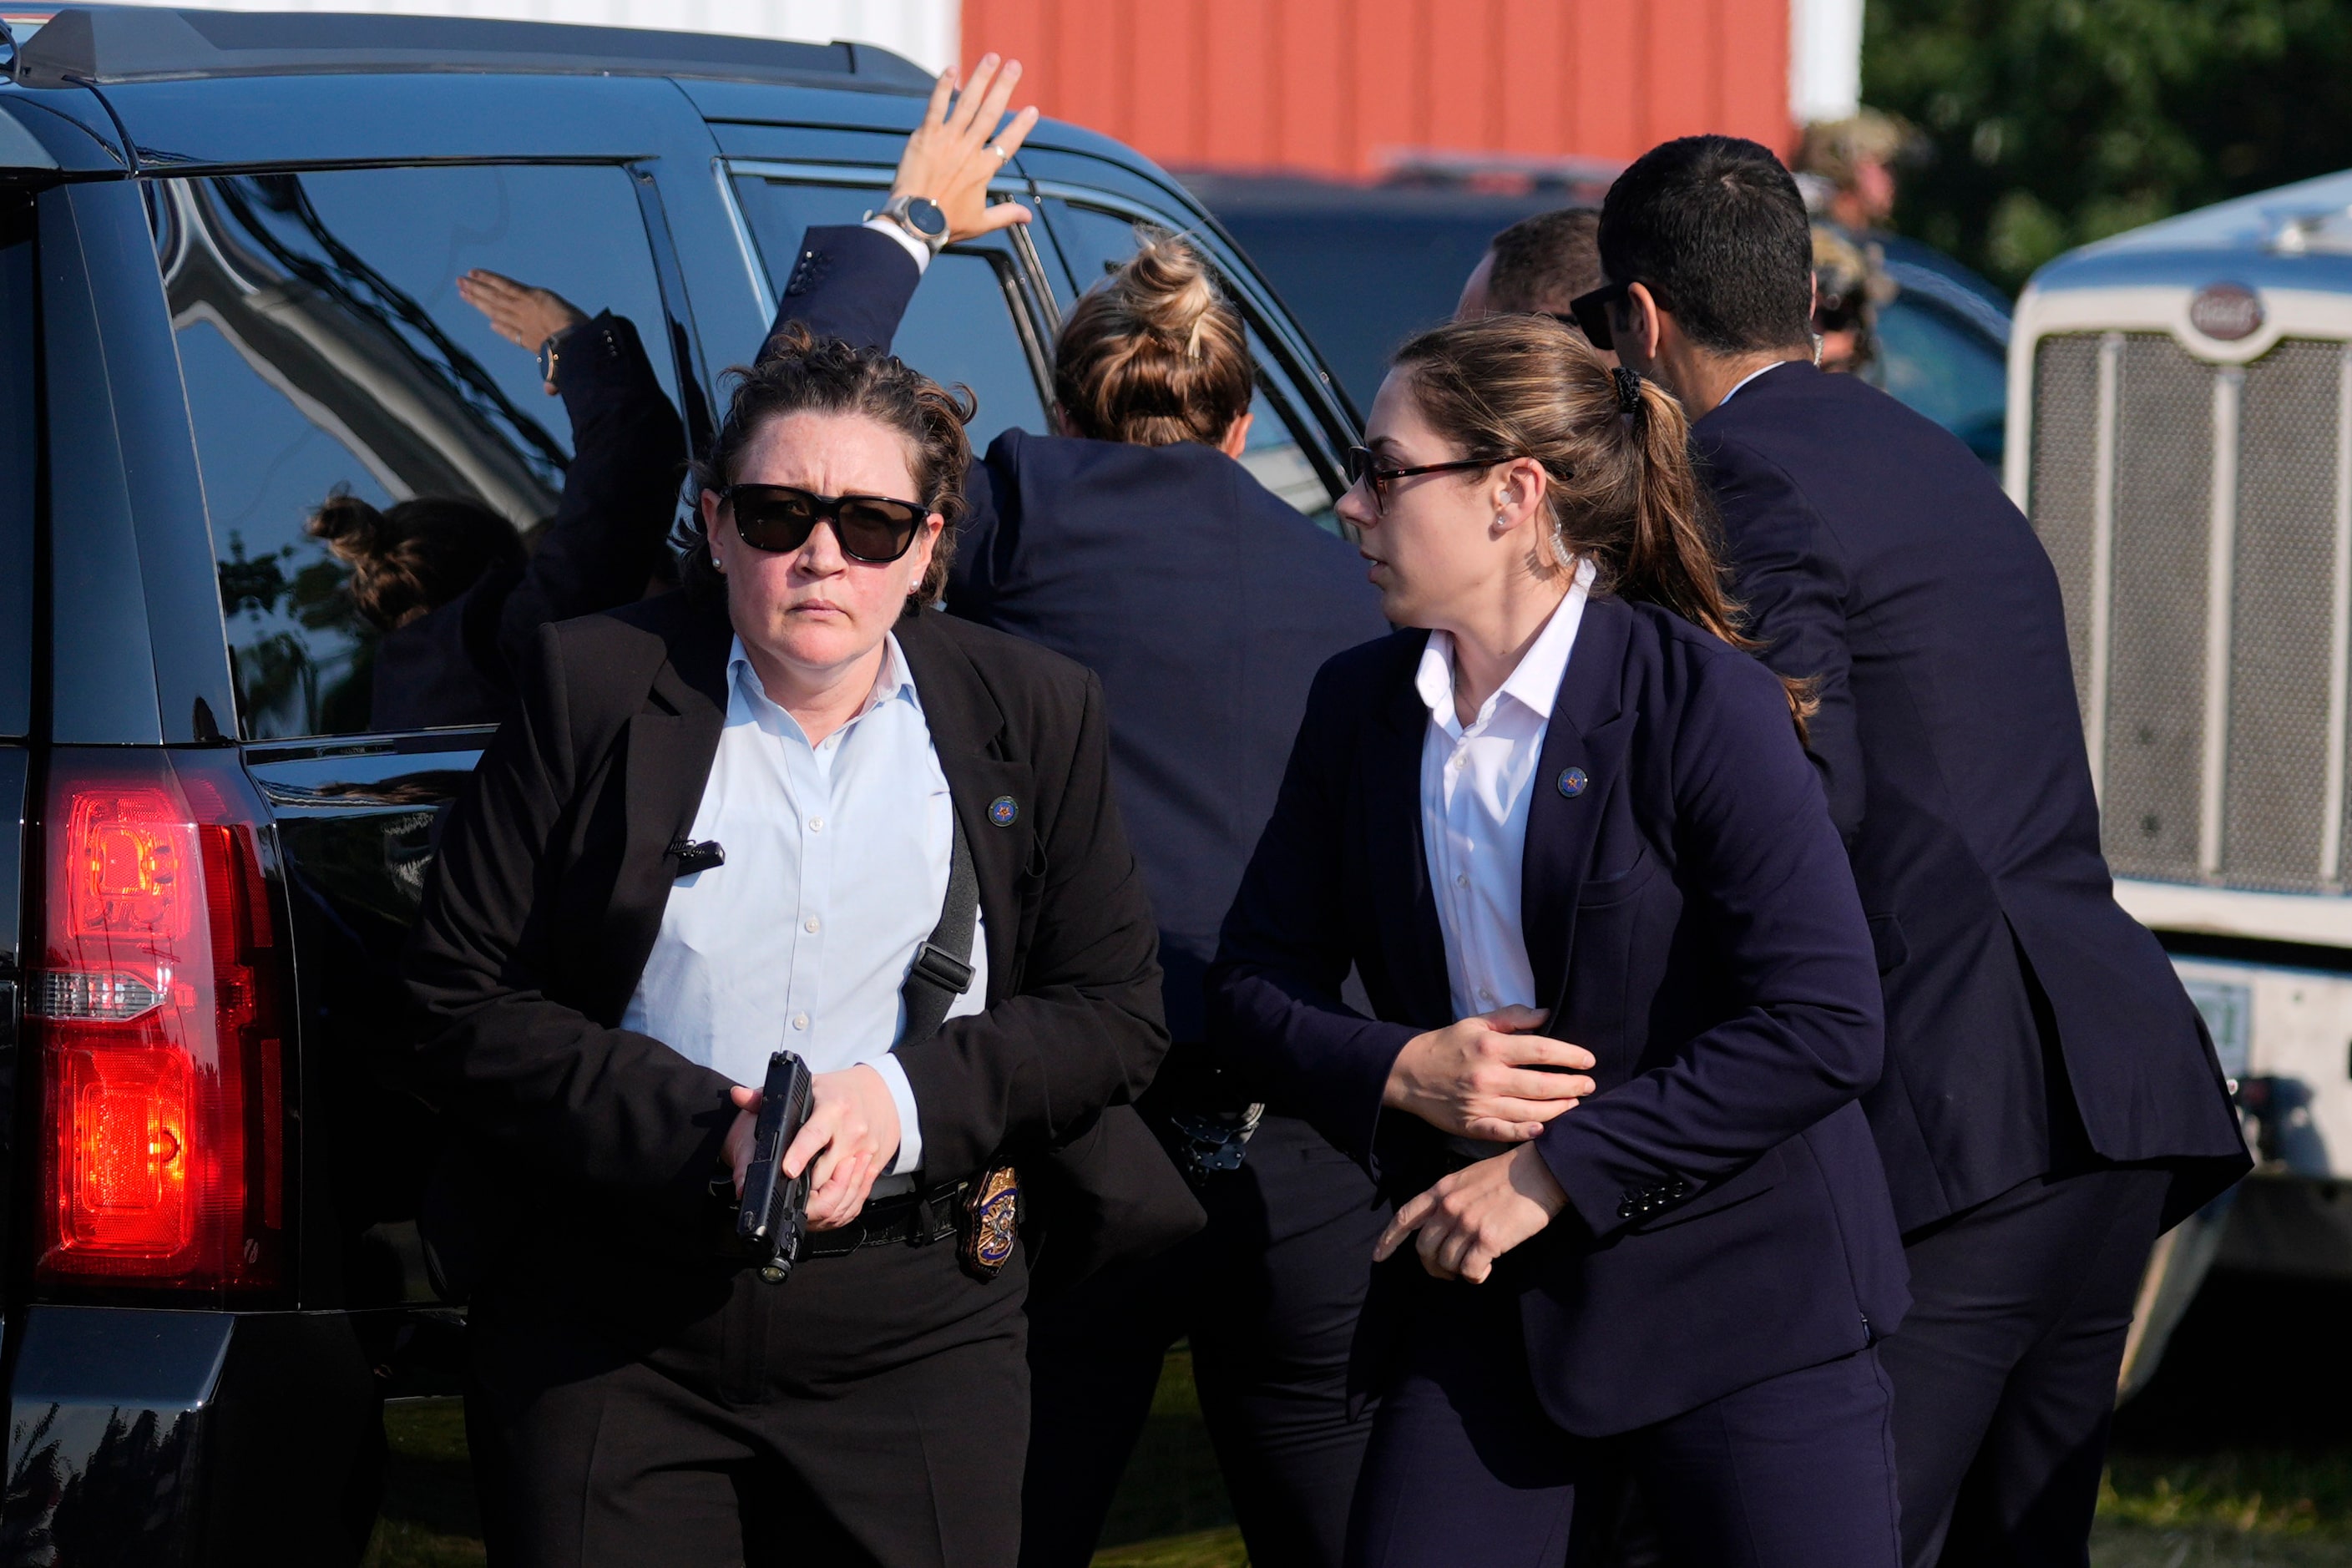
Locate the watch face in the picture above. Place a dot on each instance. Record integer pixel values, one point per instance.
(924, 214)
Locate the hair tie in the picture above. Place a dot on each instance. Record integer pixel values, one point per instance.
(1629, 388)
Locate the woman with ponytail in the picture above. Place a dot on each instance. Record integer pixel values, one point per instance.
(1623, 998)
(1134, 541)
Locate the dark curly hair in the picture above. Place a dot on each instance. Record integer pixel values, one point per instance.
(800, 372)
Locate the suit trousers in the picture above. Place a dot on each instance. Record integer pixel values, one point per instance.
(868, 1411)
(1269, 1295)
(1466, 1472)
(2005, 1370)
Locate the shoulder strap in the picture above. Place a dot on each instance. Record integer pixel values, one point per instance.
(942, 970)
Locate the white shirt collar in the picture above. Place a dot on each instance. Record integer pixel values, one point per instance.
(891, 681)
(1752, 376)
(1534, 684)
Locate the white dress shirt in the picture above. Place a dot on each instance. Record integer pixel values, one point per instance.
(1475, 782)
(836, 866)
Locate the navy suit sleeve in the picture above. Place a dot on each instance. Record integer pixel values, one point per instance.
(620, 494)
(849, 282)
(1755, 849)
(1275, 1012)
(1790, 575)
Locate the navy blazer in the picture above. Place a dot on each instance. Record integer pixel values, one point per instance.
(458, 663)
(1876, 555)
(1690, 917)
(1202, 600)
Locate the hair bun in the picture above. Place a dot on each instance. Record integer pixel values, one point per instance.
(350, 526)
(1169, 289)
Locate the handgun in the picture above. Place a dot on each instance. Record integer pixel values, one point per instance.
(772, 1219)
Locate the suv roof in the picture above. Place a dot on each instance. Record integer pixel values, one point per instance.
(112, 44)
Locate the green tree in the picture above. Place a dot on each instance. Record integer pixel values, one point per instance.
(2054, 123)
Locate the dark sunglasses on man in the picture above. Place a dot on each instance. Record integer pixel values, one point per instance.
(1590, 313)
(874, 530)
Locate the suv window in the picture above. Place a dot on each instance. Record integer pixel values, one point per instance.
(968, 322)
(1095, 241)
(325, 348)
(19, 459)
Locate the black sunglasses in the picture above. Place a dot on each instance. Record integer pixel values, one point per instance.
(1589, 313)
(1364, 465)
(874, 530)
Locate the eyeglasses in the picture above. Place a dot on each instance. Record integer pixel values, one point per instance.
(1589, 313)
(874, 530)
(1364, 469)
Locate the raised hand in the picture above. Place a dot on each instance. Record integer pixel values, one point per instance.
(1488, 1078)
(950, 157)
(523, 315)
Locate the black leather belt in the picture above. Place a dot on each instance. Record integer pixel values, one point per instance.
(906, 1219)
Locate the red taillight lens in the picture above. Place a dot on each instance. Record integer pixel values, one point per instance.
(156, 1015)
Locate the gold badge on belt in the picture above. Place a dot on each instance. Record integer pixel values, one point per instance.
(991, 1223)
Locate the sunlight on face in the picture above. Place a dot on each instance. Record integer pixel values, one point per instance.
(1432, 543)
(814, 609)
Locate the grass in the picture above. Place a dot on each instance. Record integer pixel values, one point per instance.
(2230, 1460)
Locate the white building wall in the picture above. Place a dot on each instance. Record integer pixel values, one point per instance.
(925, 31)
(1825, 59)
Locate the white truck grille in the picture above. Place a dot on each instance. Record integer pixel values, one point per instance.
(2199, 517)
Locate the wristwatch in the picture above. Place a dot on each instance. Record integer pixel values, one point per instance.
(918, 215)
(549, 352)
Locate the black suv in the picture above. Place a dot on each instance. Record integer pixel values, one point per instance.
(228, 250)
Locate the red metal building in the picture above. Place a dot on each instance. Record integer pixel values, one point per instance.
(1343, 86)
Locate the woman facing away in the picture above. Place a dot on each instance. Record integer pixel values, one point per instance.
(1622, 996)
(1134, 543)
(450, 587)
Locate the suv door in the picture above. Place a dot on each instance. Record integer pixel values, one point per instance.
(326, 351)
(984, 316)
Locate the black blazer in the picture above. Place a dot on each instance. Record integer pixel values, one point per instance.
(457, 663)
(554, 868)
(1876, 555)
(1203, 601)
(1690, 917)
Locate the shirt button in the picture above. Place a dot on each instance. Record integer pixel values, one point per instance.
(811, 923)
(1461, 878)
(1485, 995)
(800, 1020)
(816, 825)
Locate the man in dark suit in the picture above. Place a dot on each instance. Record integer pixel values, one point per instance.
(1205, 603)
(2050, 1102)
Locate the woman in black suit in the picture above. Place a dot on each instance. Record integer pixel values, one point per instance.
(1622, 996)
(728, 821)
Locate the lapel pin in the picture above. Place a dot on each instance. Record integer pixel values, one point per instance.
(1573, 783)
(1004, 811)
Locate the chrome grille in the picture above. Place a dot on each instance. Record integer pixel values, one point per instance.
(2283, 583)
(2201, 528)
(2156, 668)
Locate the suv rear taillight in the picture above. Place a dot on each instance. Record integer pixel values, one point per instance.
(157, 1016)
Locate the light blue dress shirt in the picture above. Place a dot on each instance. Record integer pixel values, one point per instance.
(836, 866)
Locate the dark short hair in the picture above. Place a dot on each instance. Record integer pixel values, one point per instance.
(1543, 262)
(1714, 227)
(800, 372)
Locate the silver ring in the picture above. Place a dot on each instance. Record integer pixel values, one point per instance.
(1000, 153)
